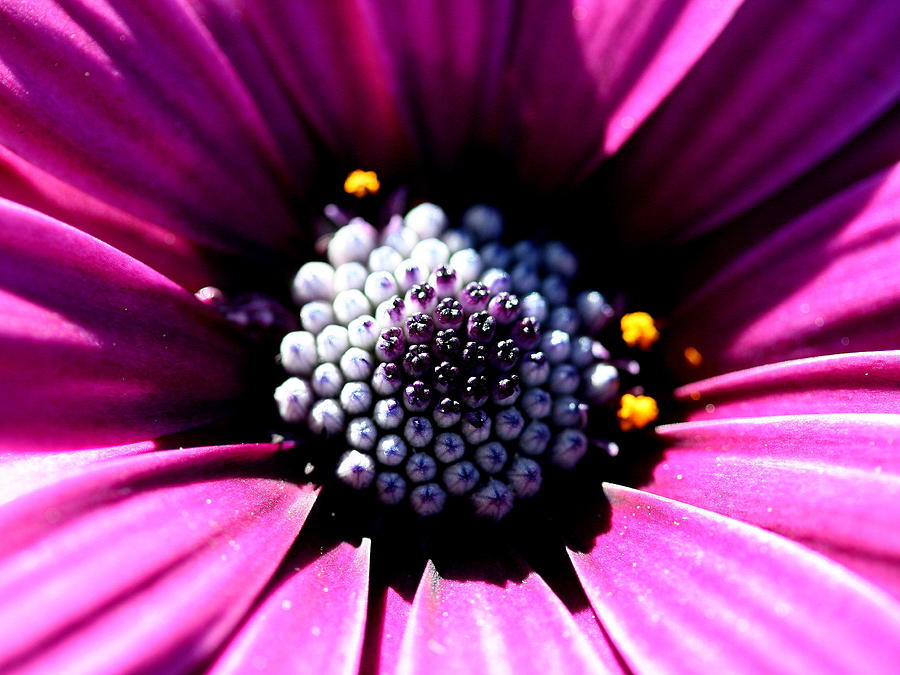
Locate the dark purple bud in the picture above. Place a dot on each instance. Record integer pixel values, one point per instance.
(504, 307)
(474, 357)
(445, 280)
(446, 377)
(417, 396)
(481, 327)
(474, 296)
(447, 412)
(421, 298)
(507, 390)
(419, 328)
(417, 360)
(476, 392)
(506, 355)
(391, 344)
(447, 344)
(448, 313)
(526, 332)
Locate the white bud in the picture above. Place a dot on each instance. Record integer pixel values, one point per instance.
(428, 499)
(352, 243)
(357, 364)
(298, 352)
(568, 448)
(362, 433)
(601, 383)
(391, 487)
(363, 332)
(316, 315)
(385, 259)
(524, 476)
(326, 417)
(350, 304)
(350, 275)
(491, 457)
(356, 469)
(380, 286)
(467, 264)
(294, 398)
(430, 253)
(327, 380)
(332, 342)
(534, 438)
(313, 282)
(449, 447)
(356, 397)
(426, 220)
(421, 467)
(391, 450)
(460, 477)
(494, 500)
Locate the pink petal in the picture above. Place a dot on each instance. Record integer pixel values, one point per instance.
(383, 640)
(492, 626)
(141, 564)
(97, 349)
(826, 283)
(679, 587)
(784, 87)
(25, 471)
(164, 250)
(831, 479)
(139, 108)
(312, 621)
(842, 383)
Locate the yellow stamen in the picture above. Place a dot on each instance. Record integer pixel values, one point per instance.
(639, 330)
(361, 183)
(637, 412)
(693, 356)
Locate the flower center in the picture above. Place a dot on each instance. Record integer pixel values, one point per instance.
(445, 364)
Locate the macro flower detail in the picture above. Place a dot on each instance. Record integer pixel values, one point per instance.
(645, 422)
(460, 364)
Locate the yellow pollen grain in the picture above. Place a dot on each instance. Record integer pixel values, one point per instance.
(639, 330)
(361, 183)
(636, 412)
(693, 356)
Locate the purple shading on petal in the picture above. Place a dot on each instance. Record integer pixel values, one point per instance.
(96, 348)
(145, 563)
(674, 584)
(831, 480)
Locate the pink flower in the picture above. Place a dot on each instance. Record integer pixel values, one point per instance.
(737, 160)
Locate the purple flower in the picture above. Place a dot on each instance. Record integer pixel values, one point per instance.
(730, 164)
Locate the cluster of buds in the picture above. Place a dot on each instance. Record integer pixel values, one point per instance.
(446, 364)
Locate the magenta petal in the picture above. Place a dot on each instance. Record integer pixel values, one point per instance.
(828, 282)
(146, 563)
(674, 584)
(784, 87)
(25, 471)
(831, 479)
(312, 621)
(842, 383)
(138, 108)
(468, 625)
(97, 349)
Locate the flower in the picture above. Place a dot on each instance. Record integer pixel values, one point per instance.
(732, 163)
